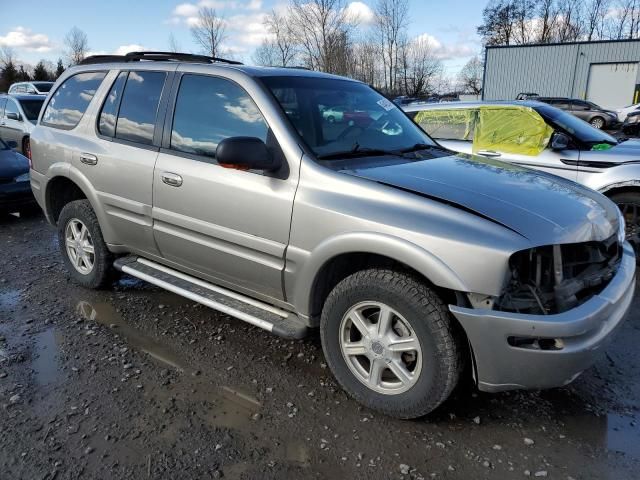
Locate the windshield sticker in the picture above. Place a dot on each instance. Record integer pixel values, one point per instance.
(386, 104)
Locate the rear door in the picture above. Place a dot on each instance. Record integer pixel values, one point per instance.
(229, 225)
(581, 109)
(119, 161)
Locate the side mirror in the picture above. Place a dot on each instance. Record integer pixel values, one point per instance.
(12, 144)
(560, 141)
(13, 116)
(245, 153)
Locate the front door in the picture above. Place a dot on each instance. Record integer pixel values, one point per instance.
(230, 225)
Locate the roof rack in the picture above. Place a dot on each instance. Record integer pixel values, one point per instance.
(157, 57)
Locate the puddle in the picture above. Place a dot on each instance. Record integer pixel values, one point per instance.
(619, 433)
(9, 299)
(233, 409)
(105, 314)
(45, 362)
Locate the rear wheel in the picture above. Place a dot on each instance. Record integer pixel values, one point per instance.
(390, 342)
(629, 205)
(597, 122)
(85, 254)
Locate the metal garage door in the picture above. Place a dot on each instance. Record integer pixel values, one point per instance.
(611, 85)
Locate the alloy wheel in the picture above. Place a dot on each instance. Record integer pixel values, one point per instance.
(597, 123)
(79, 245)
(380, 348)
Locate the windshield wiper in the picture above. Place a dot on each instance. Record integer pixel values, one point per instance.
(357, 152)
(417, 147)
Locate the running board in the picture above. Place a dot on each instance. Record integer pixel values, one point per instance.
(280, 322)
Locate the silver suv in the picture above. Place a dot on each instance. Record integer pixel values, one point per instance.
(226, 184)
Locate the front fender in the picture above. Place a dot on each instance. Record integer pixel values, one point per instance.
(303, 267)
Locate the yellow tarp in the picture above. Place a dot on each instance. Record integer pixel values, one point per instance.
(511, 129)
(507, 129)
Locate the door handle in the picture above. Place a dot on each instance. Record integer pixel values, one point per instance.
(88, 159)
(489, 153)
(171, 179)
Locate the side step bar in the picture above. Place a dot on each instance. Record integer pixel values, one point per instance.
(280, 322)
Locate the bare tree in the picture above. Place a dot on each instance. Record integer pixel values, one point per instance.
(497, 25)
(7, 56)
(209, 31)
(76, 46)
(281, 49)
(392, 17)
(322, 29)
(547, 14)
(470, 77)
(420, 66)
(570, 24)
(174, 45)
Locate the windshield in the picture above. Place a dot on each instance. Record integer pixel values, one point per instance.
(339, 116)
(580, 129)
(31, 108)
(43, 86)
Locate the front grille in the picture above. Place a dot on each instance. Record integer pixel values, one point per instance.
(553, 279)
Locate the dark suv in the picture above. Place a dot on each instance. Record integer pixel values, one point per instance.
(597, 116)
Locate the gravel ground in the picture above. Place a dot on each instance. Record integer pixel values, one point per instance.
(135, 382)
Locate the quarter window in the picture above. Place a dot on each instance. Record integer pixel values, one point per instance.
(71, 99)
(139, 106)
(210, 109)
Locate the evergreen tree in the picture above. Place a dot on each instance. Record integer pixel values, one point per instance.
(59, 69)
(9, 75)
(23, 75)
(40, 73)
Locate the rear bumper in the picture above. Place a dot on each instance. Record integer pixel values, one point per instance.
(14, 196)
(583, 332)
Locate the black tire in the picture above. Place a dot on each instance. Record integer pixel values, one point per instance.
(632, 217)
(598, 121)
(429, 319)
(103, 273)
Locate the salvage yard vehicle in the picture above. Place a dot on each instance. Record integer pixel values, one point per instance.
(223, 183)
(539, 136)
(15, 188)
(31, 88)
(18, 116)
(591, 113)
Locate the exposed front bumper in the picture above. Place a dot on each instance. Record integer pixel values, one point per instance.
(583, 331)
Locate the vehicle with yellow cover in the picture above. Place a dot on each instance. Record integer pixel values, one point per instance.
(537, 135)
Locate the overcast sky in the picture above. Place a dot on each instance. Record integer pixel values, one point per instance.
(35, 29)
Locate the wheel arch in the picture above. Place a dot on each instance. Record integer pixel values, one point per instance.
(339, 256)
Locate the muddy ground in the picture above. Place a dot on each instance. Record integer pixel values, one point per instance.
(138, 383)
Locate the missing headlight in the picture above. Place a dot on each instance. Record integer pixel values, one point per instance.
(553, 279)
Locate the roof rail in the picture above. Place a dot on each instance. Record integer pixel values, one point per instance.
(155, 56)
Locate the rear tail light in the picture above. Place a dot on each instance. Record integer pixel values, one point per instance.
(27, 151)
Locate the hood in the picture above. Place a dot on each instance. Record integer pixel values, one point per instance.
(542, 208)
(12, 164)
(627, 151)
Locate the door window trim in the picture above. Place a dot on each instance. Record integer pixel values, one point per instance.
(158, 124)
(168, 126)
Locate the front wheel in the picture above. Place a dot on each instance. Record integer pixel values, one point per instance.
(390, 342)
(597, 122)
(85, 254)
(629, 205)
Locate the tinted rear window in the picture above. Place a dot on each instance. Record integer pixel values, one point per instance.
(71, 99)
(43, 86)
(139, 106)
(31, 108)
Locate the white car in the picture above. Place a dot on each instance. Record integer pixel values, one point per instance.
(623, 112)
(30, 88)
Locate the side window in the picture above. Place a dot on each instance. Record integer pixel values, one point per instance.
(71, 99)
(455, 124)
(210, 109)
(109, 113)
(139, 106)
(3, 102)
(11, 107)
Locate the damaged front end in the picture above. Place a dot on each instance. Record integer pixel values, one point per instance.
(556, 278)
